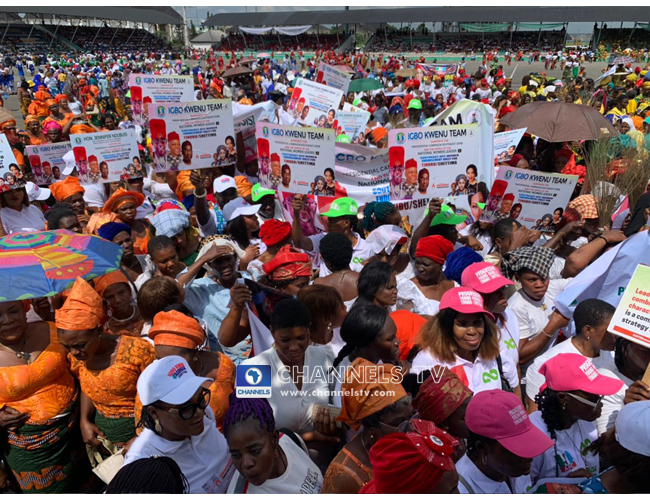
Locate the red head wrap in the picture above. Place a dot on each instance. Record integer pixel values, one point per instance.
(288, 264)
(440, 395)
(435, 248)
(273, 232)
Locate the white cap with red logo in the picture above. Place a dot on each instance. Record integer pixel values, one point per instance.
(169, 380)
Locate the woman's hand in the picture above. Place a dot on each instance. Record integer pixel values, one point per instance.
(325, 423)
(11, 419)
(252, 253)
(638, 391)
(240, 295)
(89, 433)
(580, 473)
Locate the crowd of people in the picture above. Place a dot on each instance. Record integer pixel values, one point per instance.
(458, 373)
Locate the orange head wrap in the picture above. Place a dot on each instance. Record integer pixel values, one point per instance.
(103, 282)
(50, 102)
(60, 98)
(41, 95)
(175, 329)
(367, 388)
(440, 395)
(64, 189)
(122, 197)
(378, 134)
(83, 310)
(31, 118)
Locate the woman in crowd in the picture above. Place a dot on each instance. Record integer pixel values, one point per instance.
(289, 271)
(443, 399)
(458, 260)
(71, 191)
(568, 404)
(243, 227)
(171, 219)
(379, 213)
(422, 293)
(18, 214)
(179, 423)
(386, 243)
(418, 461)
(487, 280)
(463, 335)
(370, 333)
(501, 446)
(124, 205)
(275, 235)
(120, 234)
(34, 130)
(217, 298)
(377, 284)
(267, 460)
(176, 333)
(40, 405)
(123, 314)
(507, 235)
(327, 312)
(107, 367)
(379, 405)
(291, 356)
(533, 303)
(336, 252)
(62, 216)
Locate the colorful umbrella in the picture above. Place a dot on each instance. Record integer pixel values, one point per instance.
(363, 84)
(45, 263)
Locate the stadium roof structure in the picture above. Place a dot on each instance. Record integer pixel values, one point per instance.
(485, 14)
(151, 15)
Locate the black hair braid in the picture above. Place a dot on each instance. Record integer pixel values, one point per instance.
(149, 475)
(549, 406)
(346, 350)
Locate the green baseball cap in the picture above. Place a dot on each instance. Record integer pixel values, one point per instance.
(343, 138)
(446, 216)
(414, 104)
(259, 192)
(341, 207)
(356, 102)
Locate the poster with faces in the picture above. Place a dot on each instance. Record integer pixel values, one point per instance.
(103, 157)
(46, 161)
(313, 104)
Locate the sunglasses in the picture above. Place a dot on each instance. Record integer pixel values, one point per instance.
(593, 404)
(187, 412)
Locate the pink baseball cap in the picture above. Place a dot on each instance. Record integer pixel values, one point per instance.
(483, 277)
(574, 372)
(463, 300)
(499, 415)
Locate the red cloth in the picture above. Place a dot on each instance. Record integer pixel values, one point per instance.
(288, 264)
(411, 462)
(273, 232)
(440, 395)
(514, 160)
(435, 248)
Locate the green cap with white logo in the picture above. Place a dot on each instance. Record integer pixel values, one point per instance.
(344, 139)
(341, 207)
(446, 216)
(259, 192)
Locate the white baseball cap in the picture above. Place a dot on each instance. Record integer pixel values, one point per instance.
(35, 193)
(633, 427)
(222, 183)
(237, 207)
(169, 380)
(70, 164)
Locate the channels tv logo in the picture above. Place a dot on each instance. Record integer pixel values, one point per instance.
(253, 381)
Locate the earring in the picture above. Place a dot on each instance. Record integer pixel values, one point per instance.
(564, 406)
(329, 325)
(158, 427)
(484, 459)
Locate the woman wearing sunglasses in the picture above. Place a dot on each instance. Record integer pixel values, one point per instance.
(569, 403)
(179, 423)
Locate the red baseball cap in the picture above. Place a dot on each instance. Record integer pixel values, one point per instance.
(463, 300)
(574, 372)
(499, 415)
(483, 277)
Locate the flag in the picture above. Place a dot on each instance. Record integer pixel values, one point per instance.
(260, 311)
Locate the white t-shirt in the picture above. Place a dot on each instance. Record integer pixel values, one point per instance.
(509, 344)
(477, 481)
(300, 477)
(28, 219)
(360, 252)
(292, 409)
(479, 376)
(204, 459)
(95, 195)
(566, 453)
(411, 298)
(533, 315)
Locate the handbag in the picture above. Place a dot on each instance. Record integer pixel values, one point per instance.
(105, 468)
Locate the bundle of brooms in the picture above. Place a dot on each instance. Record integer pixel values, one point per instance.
(614, 170)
